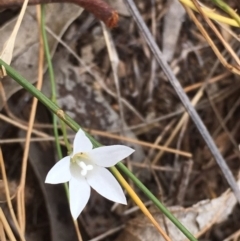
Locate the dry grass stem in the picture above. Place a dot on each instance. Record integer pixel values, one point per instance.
(231, 68)
(8, 198)
(6, 226)
(2, 233)
(215, 30)
(113, 56)
(143, 143)
(184, 119)
(211, 81)
(76, 226)
(21, 190)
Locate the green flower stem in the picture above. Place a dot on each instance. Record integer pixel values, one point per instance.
(53, 89)
(52, 79)
(73, 125)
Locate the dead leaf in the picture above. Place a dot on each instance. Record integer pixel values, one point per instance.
(25, 58)
(7, 52)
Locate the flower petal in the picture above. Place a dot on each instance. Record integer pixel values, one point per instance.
(79, 193)
(60, 172)
(107, 156)
(102, 181)
(75, 170)
(81, 143)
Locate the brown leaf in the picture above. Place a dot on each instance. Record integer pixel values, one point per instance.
(25, 55)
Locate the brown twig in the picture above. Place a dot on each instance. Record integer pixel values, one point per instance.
(100, 9)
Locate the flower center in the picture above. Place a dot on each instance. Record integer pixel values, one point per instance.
(85, 168)
(78, 159)
(78, 156)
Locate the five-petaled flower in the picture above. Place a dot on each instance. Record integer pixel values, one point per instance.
(85, 167)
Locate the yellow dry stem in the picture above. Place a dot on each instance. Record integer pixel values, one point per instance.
(211, 13)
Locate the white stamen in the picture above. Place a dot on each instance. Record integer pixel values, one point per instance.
(85, 168)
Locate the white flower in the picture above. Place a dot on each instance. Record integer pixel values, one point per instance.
(85, 167)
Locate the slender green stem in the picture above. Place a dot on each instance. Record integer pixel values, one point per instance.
(52, 79)
(48, 55)
(73, 125)
(53, 88)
